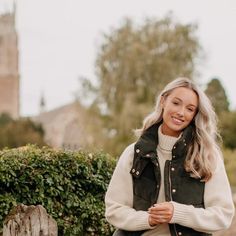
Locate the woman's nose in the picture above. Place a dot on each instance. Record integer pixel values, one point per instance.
(180, 112)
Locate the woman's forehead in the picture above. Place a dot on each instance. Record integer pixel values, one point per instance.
(184, 94)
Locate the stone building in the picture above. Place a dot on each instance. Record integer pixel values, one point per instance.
(9, 73)
(66, 127)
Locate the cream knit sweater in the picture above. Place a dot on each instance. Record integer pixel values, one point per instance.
(219, 207)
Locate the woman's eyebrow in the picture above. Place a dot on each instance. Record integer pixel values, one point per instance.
(182, 101)
(177, 98)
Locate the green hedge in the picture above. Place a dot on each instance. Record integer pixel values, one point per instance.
(70, 185)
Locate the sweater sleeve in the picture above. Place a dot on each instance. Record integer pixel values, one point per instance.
(219, 207)
(119, 197)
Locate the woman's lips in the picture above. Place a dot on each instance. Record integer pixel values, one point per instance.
(177, 121)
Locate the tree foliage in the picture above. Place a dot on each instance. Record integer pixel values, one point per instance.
(227, 118)
(134, 62)
(228, 129)
(16, 133)
(217, 95)
(138, 60)
(230, 165)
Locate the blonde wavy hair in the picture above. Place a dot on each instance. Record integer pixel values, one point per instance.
(200, 160)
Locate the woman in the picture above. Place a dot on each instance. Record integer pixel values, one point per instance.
(172, 181)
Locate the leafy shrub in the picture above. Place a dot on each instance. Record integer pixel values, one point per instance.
(70, 185)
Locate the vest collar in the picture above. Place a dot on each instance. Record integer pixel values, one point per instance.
(146, 146)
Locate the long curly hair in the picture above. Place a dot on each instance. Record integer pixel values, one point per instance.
(200, 160)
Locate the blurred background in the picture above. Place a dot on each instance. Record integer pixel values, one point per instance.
(84, 75)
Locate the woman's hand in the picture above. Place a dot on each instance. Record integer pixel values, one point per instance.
(160, 213)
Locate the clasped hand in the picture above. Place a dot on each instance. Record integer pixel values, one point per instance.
(160, 213)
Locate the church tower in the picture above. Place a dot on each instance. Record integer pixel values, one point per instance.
(9, 73)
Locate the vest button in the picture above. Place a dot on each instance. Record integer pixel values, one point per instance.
(179, 233)
(172, 168)
(148, 155)
(137, 150)
(174, 147)
(158, 186)
(173, 156)
(137, 172)
(173, 190)
(133, 170)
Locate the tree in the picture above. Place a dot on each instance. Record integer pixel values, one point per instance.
(228, 129)
(16, 133)
(227, 119)
(139, 60)
(133, 64)
(217, 95)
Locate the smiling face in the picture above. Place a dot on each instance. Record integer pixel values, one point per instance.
(179, 109)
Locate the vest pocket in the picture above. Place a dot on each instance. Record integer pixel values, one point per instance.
(189, 190)
(144, 193)
(144, 188)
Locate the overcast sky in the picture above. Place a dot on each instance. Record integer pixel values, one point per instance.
(58, 41)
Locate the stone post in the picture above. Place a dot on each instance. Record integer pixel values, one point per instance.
(29, 221)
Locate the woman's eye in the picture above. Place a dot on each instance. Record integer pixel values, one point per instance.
(175, 103)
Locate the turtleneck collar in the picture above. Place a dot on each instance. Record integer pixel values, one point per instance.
(166, 142)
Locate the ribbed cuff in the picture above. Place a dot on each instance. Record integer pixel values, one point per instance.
(180, 215)
(142, 221)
